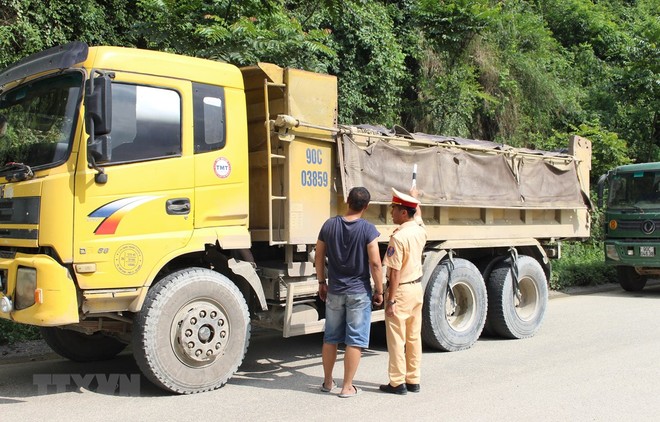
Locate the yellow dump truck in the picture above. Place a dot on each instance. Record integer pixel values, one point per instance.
(173, 203)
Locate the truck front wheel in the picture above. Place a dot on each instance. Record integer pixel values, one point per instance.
(514, 315)
(455, 306)
(629, 280)
(80, 347)
(193, 331)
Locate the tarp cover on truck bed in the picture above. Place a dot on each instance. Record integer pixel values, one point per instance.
(458, 172)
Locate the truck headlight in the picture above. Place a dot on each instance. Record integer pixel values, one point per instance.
(5, 305)
(610, 251)
(26, 284)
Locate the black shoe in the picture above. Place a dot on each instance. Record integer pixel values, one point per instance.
(413, 388)
(401, 389)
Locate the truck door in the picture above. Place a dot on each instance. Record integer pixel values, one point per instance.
(221, 169)
(128, 227)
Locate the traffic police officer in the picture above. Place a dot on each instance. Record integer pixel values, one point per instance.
(403, 309)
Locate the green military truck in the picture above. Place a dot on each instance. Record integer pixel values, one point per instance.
(632, 222)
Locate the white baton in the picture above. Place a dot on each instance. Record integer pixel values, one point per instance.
(414, 182)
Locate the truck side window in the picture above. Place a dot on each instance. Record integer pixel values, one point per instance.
(209, 111)
(146, 123)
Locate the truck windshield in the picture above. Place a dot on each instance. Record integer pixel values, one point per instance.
(635, 190)
(37, 122)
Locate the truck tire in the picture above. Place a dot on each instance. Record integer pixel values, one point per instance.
(509, 316)
(454, 324)
(80, 347)
(629, 280)
(193, 331)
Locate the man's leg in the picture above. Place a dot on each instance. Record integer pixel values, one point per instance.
(328, 356)
(414, 336)
(351, 362)
(358, 327)
(395, 334)
(335, 321)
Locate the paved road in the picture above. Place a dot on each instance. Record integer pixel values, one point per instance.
(596, 358)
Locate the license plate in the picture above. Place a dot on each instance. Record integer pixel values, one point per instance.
(647, 251)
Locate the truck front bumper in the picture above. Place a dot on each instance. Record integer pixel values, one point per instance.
(37, 290)
(631, 253)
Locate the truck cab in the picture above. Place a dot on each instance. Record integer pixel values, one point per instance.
(632, 222)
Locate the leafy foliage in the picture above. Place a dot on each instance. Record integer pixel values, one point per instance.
(11, 332)
(370, 60)
(608, 150)
(516, 71)
(447, 80)
(30, 26)
(241, 33)
(581, 265)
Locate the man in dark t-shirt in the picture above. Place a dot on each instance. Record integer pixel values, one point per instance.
(351, 246)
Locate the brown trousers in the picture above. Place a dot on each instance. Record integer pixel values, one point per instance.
(404, 335)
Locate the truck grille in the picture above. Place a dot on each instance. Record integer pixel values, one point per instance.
(636, 225)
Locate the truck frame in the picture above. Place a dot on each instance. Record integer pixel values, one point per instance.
(173, 203)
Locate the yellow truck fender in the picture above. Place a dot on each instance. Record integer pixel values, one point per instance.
(225, 238)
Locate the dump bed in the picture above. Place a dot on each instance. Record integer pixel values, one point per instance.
(473, 193)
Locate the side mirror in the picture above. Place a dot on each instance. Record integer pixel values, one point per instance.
(100, 148)
(98, 106)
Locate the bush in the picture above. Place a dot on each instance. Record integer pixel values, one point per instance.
(11, 332)
(581, 264)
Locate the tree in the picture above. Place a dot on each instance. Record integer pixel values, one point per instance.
(241, 33)
(30, 26)
(370, 64)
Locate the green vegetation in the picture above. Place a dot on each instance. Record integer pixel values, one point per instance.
(518, 72)
(583, 263)
(11, 333)
(524, 72)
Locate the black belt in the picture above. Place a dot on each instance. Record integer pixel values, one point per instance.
(411, 282)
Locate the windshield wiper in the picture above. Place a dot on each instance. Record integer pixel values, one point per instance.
(16, 172)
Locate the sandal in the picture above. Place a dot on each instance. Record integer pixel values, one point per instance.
(345, 396)
(326, 389)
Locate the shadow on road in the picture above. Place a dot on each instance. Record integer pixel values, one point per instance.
(118, 377)
(273, 362)
(270, 360)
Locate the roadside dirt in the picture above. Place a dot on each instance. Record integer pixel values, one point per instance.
(31, 350)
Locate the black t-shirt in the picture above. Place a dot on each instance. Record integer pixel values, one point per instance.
(346, 248)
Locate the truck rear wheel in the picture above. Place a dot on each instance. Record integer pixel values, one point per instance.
(193, 331)
(455, 306)
(511, 316)
(629, 280)
(80, 347)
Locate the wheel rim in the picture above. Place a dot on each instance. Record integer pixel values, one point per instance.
(200, 333)
(526, 307)
(461, 314)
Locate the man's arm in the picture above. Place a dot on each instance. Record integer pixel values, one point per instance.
(319, 263)
(376, 268)
(392, 286)
(418, 213)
